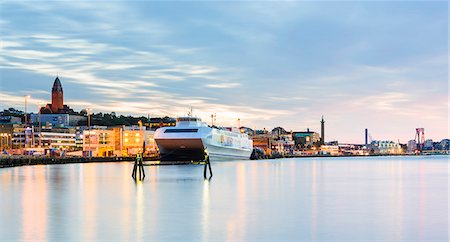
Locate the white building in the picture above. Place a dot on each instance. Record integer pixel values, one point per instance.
(387, 147)
(56, 140)
(284, 144)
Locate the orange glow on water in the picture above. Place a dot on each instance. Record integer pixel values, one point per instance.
(34, 204)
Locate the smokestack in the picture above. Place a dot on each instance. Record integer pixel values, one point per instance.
(367, 137)
(322, 129)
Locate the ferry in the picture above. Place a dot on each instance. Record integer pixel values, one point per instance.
(193, 140)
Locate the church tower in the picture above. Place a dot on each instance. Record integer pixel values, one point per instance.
(57, 96)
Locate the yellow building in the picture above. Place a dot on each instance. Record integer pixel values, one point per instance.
(99, 142)
(118, 141)
(133, 141)
(329, 150)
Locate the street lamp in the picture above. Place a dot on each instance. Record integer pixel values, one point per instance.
(9, 144)
(26, 121)
(213, 117)
(39, 123)
(26, 99)
(88, 110)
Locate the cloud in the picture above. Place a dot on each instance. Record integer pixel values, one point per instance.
(223, 85)
(390, 101)
(269, 63)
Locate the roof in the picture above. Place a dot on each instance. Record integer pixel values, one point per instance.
(303, 133)
(57, 85)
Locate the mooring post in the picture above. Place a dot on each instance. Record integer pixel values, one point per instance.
(207, 163)
(210, 170)
(139, 165)
(134, 170)
(138, 168)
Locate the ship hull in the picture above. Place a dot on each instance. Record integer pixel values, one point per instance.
(220, 153)
(191, 149)
(196, 150)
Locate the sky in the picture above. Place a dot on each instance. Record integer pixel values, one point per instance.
(381, 65)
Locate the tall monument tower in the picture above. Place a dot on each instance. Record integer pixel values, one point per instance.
(57, 96)
(322, 131)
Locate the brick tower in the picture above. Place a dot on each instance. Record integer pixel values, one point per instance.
(57, 96)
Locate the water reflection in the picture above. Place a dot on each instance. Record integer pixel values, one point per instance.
(87, 201)
(139, 207)
(206, 210)
(386, 199)
(235, 226)
(34, 214)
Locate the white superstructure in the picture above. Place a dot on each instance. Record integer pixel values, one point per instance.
(191, 140)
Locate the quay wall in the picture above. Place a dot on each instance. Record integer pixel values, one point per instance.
(13, 161)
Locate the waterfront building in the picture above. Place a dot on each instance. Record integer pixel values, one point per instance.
(118, 141)
(352, 149)
(386, 147)
(411, 146)
(6, 137)
(79, 137)
(98, 142)
(283, 144)
(56, 120)
(428, 144)
(444, 144)
(305, 139)
(133, 141)
(21, 137)
(262, 141)
(329, 150)
(278, 131)
(14, 134)
(57, 140)
(10, 119)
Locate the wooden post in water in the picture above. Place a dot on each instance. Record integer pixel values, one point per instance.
(207, 164)
(138, 168)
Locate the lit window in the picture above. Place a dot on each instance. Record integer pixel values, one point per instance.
(137, 140)
(137, 134)
(126, 134)
(126, 140)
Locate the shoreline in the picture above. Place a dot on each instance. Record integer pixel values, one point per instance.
(6, 162)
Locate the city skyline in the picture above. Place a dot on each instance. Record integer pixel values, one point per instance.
(381, 66)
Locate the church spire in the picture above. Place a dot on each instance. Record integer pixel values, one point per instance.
(57, 96)
(57, 85)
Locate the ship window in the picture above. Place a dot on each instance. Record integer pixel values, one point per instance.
(188, 119)
(181, 131)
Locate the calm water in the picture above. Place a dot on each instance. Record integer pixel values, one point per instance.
(310, 199)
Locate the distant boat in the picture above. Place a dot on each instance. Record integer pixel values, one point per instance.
(193, 140)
